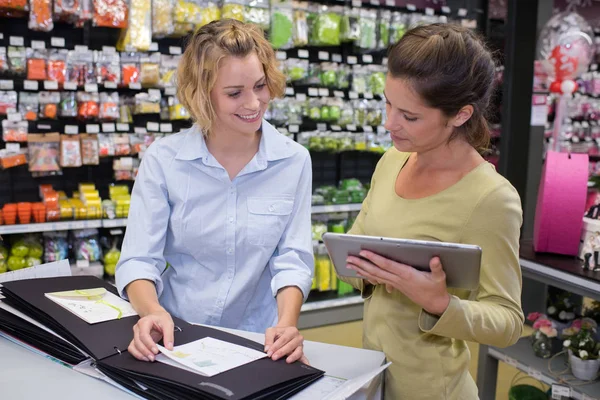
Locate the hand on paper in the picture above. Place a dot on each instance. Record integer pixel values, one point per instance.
(285, 341)
(427, 289)
(148, 331)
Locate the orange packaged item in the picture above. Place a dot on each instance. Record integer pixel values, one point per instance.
(57, 66)
(39, 212)
(9, 212)
(10, 159)
(14, 131)
(29, 105)
(88, 107)
(40, 15)
(110, 13)
(130, 68)
(49, 104)
(24, 212)
(10, 5)
(109, 106)
(67, 10)
(36, 69)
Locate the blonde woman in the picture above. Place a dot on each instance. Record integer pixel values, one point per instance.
(225, 204)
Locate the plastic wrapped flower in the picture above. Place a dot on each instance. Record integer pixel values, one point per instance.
(549, 331)
(534, 316)
(540, 322)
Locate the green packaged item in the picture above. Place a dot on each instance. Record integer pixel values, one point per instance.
(344, 288)
(16, 262)
(281, 26)
(357, 196)
(327, 192)
(346, 115)
(334, 113)
(341, 197)
(330, 144)
(3, 253)
(326, 29)
(397, 27)
(297, 69)
(300, 29)
(325, 113)
(343, 76)
(314, 113)
(337, 226)
(368, 30)
(257, 12)
(351, 184)
(359, 79)
(315, 143)
(346, 143)
(328, 75)
(385, 20)
(318, 230)
(3, 266)
(349, 26)
(377, 83)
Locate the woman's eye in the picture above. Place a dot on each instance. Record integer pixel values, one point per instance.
(262, 85)
(234, 94)
(409, 119)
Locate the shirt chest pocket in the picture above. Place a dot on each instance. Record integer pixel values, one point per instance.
(267, 218)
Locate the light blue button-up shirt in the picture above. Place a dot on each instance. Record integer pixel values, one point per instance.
(230, 245)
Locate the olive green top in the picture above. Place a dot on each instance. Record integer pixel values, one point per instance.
(429, 356)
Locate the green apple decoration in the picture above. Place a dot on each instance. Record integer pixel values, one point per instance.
(16, 262)
(35, 250)
(19, 249)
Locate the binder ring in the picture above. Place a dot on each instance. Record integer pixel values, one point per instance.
(178, 328)
(117, 349)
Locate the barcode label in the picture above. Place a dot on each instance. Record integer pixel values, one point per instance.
(50, 85)
(411, 7)
(153, 126)
(303, 53)
(560, 391)
(351, 127)
(336, 58)
(166, 127)
(374, 2)
(323, 56)
(429, 11)
(446, 10)
(140, 130)
(294, 128)
(336, 128)
(321, 127)
(83, 263)
(92, 128)
(71, 129)
(153, 46)
(123, 127)
(356, 3)
(81, 47)
(289, 91)
(30, 85)
(154, 92)
(91, 87)
(14, 117)
(462, 12)
(175, 50)
(323, 92)
(281, 55)
(13, 147)
(367, 128)
(368, 95)
(70, 85)
(313, 91)
(367, 58)
(44, 127)
(338, 94)
(390, 3)
(16, 41)
(135, 86)
(57, 42)
(171, 91)
(300, 97)
(381, 130)
(110, 85)
(353, 95)
(6, 85)
(38, 44)
(351, 60)
(108, 127)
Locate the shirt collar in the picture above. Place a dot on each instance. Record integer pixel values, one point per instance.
(273, 145)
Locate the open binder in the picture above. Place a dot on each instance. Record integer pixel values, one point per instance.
(74, 341)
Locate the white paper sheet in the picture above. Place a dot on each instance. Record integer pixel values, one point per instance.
(49, 270)
(320, 389)
(94, 309)
(352, 386)
(210, 356)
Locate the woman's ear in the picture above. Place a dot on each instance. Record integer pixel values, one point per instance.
(463, 115)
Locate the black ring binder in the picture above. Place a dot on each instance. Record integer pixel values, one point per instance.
(117, 349)
(178, 329)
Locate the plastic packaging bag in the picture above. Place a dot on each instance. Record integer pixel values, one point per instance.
(80, 67)
(44, 151)
(14, 131)
(90, 154)
(210, 12)
(36, 64)
(70, 151)
(8, 101)
(29, 105)
(130, 68)
(257, 12)
(40, 15)
(397, 27)
(67, 107)
(187, 14)
(349, 26)
(383, 34)
(326, 28)
(233, 9)
(168, 70)
(17, 60)
(67, 10)
(162, 18)
(150, 70)
(49, 104)
(109, 106)
(88, 107)
(281, 35)
(300, 29)
(86, 245)
(56, 246)
(57, 66)
(110, 13)
(108, 67)
(368, 30)
(138, 34)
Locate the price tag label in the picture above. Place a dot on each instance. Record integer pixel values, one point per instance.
(14, 117)
(462, 12)
(300, 97)
(368, 95)
(353, 95)
(374, 3)
(324, 92)
(114, 232)
(313, 92)
(153, 46)
(171, 91)
(108, 127)
(135, 86)
(511, 361)
(339, 94)
(91, 87)
(123, 127)
(30, 85)
(154, 92)
(294, 128)
(110, 85)
(50, 85)
(281, 55)
(289, 91)
(367, 128)
(92, 128)
(71, 129)
(429, 11)
(336, 58)
(446, 10)
(108, 49)
(336, 128)
(303, 53)
(323, 56)
(140, 130)
(13, 147)
(83, 263)
(57, 42)
(321, 127)
(153, 126)
(166, 127)
(81, 47)
(44, 127)
(390, 3)
(384, 61)
(6, 85)
(367, 58)
(411, 7)
(38, 44)
(351, 60)
(175, 50)
(534, 373)
(356, 3)
(70, 85)
(16, 41)
(351, 127)
(381, 130)
(560, 391)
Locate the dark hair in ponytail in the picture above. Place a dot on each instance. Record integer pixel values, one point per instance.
(449, 67)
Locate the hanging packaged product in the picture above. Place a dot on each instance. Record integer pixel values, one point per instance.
(368, 30)
(17, 60)
(376, 82)
(359, 79)
(186, 14)
(90, 153)
(282, 16)
(122, 146)
(138, 34)
(80, 67)
(70, 151)
(346, 114)
(14, 131)
(36, 64)
(44, 153)
(126, 104)
(8, 101)
(56, 246)
(49, 102)
(300, 28)
(150, 70)
(13, 7)
(3, 60)
(67, 107)
(257, 12)
(162, 18)
(40, 15)
(168, 70)
(374, 116)
(349, 25)
(130, 68)
(326, 27)
(87, 106)
(86, 13)
(343, 75)
(29, 105)
(136, 143)
(109, 106)
(106, 146)
(397, 27)
(147, 103)
(383, 31)
(110, 13)
(176, 110)
(108, 68)
(210, 12)
(329, 74)
(67, 10)
(233, 9)
(57, 66)
(297, 69)
(86, 245)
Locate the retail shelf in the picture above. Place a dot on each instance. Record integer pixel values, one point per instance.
(521, 356)
(331, 311)
(336, 208)
(114, 223)
(49, 226)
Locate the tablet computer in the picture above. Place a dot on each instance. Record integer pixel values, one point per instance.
(461, 262)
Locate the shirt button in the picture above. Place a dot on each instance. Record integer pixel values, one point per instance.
(230, 250)
(231, 220)
(271, 208)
